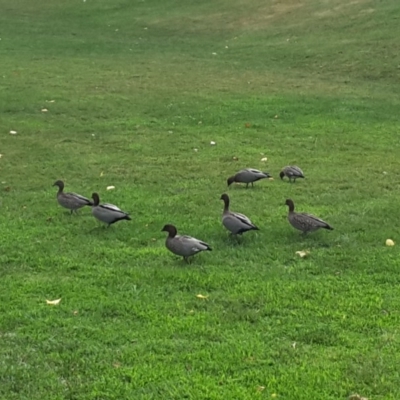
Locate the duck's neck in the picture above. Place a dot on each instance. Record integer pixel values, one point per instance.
(226, 205)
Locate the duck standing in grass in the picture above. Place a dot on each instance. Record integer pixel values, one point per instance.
(305, 222)
(292, 172)
(72, 201)
(184, 246)
(234, 222)
(107, 213)
(248, 175)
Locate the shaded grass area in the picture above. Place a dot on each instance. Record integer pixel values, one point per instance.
(310, 83)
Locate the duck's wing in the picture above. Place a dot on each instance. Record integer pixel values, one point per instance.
(295, 170)
(193, 243)
(79, 198)
(112, 208)
(257, 172)
(313, 220)
(242, 218)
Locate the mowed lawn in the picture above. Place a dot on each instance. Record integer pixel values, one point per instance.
(135, 91)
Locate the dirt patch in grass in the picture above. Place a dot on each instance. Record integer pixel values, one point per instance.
(339, 7)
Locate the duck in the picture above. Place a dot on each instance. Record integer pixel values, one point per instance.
(107, 213)
(72, 201)
(248, 175)
(184, 246)
(292, 172)
(305, 222)
(234, 222)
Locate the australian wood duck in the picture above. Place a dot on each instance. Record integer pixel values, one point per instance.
(184, 246)
(107, 213)
(305, 222)
(72, 201)
(248, 175)
(234, 222)
(292, 172)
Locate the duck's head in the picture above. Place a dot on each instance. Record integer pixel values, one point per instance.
(60, 184)
(281, 174)
(230, 180)
(170, 229)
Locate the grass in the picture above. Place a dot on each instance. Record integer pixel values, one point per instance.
(136, 88)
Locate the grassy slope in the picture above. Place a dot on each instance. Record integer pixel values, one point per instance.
(130, 106)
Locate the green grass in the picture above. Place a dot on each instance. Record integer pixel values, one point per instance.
(136, 88)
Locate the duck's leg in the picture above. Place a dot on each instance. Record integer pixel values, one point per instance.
(247, 185)
(252, 184)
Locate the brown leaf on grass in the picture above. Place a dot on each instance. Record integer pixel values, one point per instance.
(53, 302)
(7, 188)
(235, 158)
(247, 125)
(302, 253)
(200, 296)
(356, 396)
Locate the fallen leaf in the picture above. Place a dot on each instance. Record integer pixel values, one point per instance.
(101, 173)
(53, 302)
(196, 150)
(212, 143)
(1, 155)
(7, 188)
(260, 388)
(247, 124)
(116, 365)
(235, 158)
(50, 101)
(389, 242)
(302, 253)
(276, 117)
(13, 132)
(75, 312)
(264, 159)
(200, 296)
(44, 110)
(110, 187)
(214, 54)
(271, 178)
(357, 397)
(294, 345)
(49, 219)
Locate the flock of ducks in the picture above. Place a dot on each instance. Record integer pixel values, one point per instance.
(187, 246)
